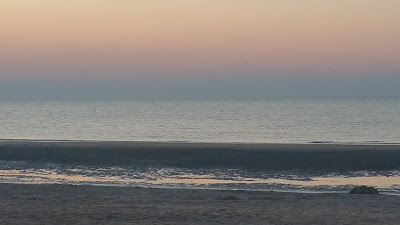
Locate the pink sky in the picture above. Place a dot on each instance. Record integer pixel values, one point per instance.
(197, 38)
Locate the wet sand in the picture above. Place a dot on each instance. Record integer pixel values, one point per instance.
(331, 157)
(67, 204)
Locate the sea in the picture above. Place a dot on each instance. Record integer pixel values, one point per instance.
(328, 120)
(347, 121)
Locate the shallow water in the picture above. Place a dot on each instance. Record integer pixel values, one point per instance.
(356, 120)
(388, 182)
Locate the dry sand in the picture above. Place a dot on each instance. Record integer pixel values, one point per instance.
(66, 204)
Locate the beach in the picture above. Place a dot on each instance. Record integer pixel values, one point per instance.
(97, 182)
(68, 204)
(199, 112)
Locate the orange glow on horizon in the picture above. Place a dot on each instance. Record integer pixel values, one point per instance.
(194, 35)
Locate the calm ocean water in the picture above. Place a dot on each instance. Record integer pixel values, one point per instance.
(356, 120)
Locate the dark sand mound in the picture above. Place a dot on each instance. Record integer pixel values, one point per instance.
(363, 190)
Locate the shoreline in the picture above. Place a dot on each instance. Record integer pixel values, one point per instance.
(68, 204)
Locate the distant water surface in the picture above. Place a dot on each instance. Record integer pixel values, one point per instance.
(356, 120)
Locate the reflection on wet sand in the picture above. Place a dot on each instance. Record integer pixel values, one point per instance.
(51, 176)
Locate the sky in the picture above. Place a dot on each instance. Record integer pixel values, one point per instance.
(201, 48)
